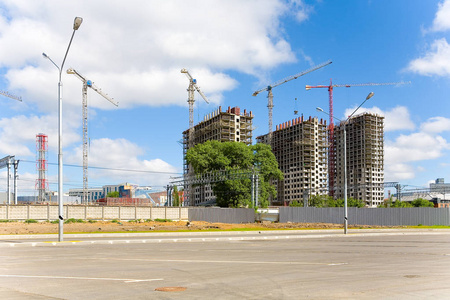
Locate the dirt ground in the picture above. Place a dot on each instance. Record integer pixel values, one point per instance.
(124, 226)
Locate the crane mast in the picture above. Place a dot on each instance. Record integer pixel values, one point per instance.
(191, 90)
(280, 82)
(7, 94)
(191, 100)
(331, 150)
(86, 84)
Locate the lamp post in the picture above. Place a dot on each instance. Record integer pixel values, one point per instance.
(76, 24)
(345, 157)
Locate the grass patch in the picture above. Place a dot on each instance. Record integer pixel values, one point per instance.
(92, 221)
(5, 221)
(72, 220)
(430, 227)
(30, 221)
(114, 221)
(163, 220)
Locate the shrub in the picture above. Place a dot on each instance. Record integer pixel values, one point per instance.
(30, 221)
(163, 220)
(72, 220)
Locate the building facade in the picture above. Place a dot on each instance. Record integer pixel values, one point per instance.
(301, 149)
(224, 126)
(365, 159)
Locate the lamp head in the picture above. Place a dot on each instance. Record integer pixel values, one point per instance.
(70, 71)
(44, 55)
(184, 71)
(319, 109)
(77, 23)
(370, 95)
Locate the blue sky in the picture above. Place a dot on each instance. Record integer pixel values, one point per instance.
(134, 51)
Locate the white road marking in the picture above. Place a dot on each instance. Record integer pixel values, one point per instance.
(224, 261)
(127, 280)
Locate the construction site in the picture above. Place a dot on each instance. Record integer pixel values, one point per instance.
(300, 147)
(224, 126)
(365, 158)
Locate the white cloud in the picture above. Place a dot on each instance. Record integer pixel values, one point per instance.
(18, 134)
(398, 172)
(436, 125)
(397, 118)
(442, 19)
(120, 155)
(435, 62)
(136, 51)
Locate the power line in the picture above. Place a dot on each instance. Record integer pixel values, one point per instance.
(111, 169)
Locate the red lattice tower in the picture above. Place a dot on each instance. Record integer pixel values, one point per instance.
(41, 166)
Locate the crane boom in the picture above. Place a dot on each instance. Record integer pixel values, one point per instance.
(289, 78)
(86, 84)
(280, 82)
(7, 94)
(92, 86)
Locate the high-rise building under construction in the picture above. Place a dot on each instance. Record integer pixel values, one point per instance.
(365, 158)
(223, 126)
(301, 149)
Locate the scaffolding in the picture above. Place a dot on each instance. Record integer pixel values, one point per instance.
(365, 158)
(300, 147)
(41, 166)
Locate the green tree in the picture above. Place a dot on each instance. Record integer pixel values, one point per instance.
(420, 202)
(296, 203)
(236, 157)
(176, 196)
(397, 203)
(113, 194)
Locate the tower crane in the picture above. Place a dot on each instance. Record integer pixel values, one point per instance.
(87, 83)
(6, 94)
(191, 89)
(280, 82)
(331, 126)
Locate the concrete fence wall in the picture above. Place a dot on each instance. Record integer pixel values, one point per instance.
(85, 212)
(367, 216)
(222, 215)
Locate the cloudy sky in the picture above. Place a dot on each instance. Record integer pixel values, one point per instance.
(134, 51)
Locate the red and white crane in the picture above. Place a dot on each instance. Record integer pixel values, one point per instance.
(331, 125)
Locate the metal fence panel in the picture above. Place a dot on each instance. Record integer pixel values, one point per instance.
(222, 215)
(367, 216)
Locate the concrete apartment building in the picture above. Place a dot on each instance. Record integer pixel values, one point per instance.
(301, 149)
(223, 126)
(365, 159)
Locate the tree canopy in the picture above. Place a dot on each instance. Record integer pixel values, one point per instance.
(213, 156)
(113, 194)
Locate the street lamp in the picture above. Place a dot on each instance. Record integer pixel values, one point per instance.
(345, 157)
(76, 24)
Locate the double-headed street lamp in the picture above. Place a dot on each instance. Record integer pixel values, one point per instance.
(345, 157)
(76, 24)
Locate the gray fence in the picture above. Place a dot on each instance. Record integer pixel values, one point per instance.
(222, 215)
(367, 216)
(86, 212)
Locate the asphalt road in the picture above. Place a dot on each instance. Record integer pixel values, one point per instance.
(369, 264)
